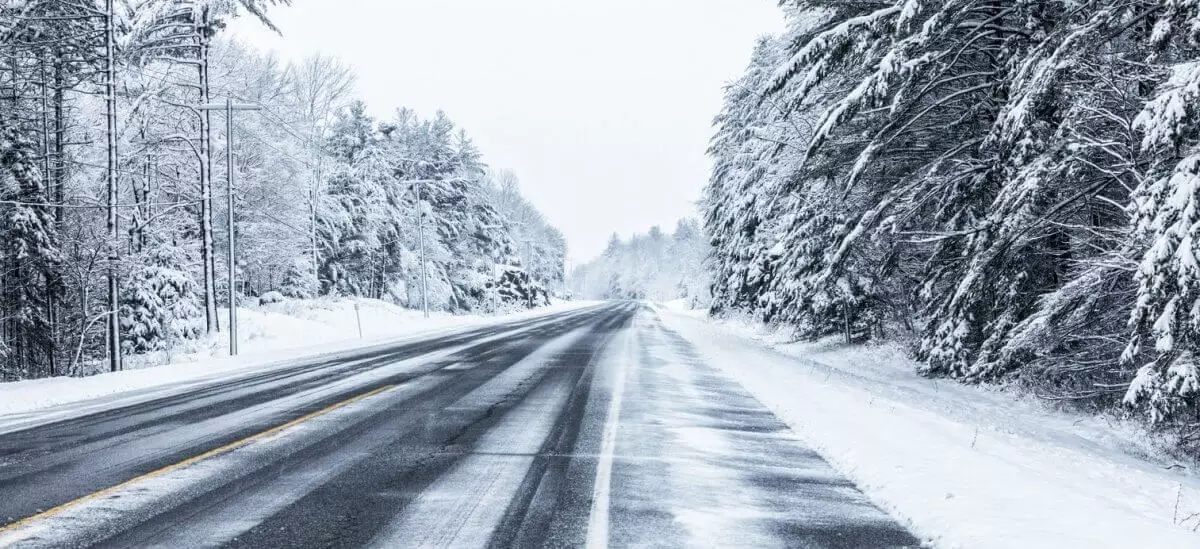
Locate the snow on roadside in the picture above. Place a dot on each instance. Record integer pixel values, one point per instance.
(962, 466)
(300, 323)
(684, 306)
(271, 335)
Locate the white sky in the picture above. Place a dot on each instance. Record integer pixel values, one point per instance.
(602, 108)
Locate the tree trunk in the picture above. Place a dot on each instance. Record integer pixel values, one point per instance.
(49, 340)
(57, 195)
(316, 254)
(141, 197)
(59, 140)
(206, 206)
(846, 322)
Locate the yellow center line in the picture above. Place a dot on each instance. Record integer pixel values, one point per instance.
(189, 461)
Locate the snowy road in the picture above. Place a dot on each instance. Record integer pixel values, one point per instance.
(595, 427)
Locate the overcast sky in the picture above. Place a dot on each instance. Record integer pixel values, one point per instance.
(603, 109)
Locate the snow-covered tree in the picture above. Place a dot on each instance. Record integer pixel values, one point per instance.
(540, 248)
(108, 156)
(408, 210)
(655, 265)
(29, 250)
(1010, 182)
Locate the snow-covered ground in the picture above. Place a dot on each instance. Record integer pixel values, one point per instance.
(270, 335)
(963, 466)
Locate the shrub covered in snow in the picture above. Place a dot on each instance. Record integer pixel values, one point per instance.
(514, 287)
(270, 298)
(159, 305)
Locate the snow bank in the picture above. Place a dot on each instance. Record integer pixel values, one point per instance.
(962, 466)
(271, 336)
(684, 306)
(292, 324)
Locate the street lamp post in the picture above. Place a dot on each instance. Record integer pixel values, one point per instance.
(229, 106)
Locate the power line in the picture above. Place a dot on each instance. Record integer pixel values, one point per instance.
(98, 166)
(287, 128)
(268, 145)
(96, 206)
(270, 113)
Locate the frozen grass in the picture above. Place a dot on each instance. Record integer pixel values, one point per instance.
(963, 466)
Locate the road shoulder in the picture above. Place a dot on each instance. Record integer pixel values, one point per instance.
(959, 468)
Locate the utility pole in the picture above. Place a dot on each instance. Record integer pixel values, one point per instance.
(565, 272)
(110, 107)
(229, 106)
(312, 229)
(496, 288)
(313, 195)
(421, 237)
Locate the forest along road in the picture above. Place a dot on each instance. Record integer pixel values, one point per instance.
(593, 427)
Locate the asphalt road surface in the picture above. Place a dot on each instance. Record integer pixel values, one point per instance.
(590, 428)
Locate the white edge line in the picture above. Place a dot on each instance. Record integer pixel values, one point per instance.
(597, 536)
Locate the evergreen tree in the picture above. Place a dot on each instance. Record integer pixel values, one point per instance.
(1012, 181)
(29, 250)
(106, 155)
(656, 266)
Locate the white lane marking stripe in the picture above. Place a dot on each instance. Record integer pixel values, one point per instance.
(597, 537)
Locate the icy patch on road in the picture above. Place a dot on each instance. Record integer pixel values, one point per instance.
(512, 380)
(464, 506)
(965, 467)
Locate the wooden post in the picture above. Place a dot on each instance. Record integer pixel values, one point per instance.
(846, 321)
(358, 318)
